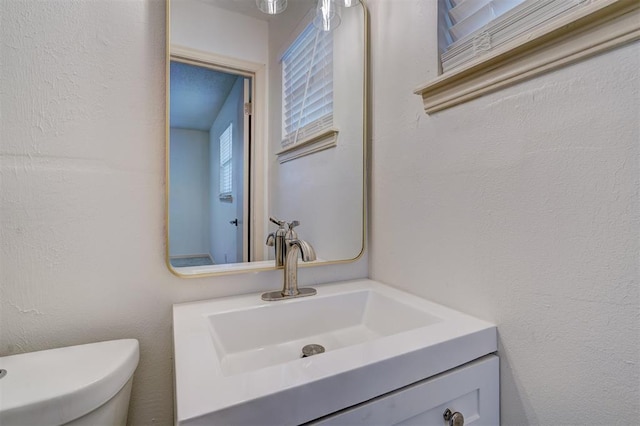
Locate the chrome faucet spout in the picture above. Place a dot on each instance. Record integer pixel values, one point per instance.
(307, 252)
(295, 248)
(271, 239)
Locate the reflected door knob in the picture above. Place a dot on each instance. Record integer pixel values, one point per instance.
(454, 418)
(234, 222)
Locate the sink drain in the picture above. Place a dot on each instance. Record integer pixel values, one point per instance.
(313, 349)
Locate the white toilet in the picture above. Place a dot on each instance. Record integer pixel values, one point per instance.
(85, 385)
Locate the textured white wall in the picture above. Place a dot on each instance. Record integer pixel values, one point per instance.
(82, 189)
(189, 201)
(520, 208)
(199, 25)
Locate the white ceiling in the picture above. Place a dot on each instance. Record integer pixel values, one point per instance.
(197, 95)
(249, 8)
(245, 7)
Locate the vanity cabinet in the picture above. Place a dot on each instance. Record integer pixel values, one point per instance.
(471, 390)
(390, 358)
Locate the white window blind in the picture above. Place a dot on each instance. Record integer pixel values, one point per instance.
(226, 155)
(470, 28)
(307, 85)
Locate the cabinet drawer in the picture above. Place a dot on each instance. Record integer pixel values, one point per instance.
(472, 390)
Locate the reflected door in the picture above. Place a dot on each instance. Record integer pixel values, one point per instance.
(209, 162)
(228, 208)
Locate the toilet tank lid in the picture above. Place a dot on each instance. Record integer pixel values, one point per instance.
(57, 386)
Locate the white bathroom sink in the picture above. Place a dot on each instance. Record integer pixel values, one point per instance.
(238, 359)
(255, 337)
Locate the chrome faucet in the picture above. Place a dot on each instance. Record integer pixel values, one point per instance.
(293, 247)
(276, 240)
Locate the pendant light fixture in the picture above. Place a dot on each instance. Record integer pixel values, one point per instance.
(272, 7)
(327, 15)
(348, 3)
(327, 11)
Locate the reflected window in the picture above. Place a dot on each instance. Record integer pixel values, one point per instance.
(226, 167)
(307, 85)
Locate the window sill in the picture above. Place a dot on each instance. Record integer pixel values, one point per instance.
(311, 145)
(599, 26)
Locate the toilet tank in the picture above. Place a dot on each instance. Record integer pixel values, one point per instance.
(86, 384)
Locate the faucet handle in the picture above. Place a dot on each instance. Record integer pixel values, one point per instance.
(291, 234)
(280, 223)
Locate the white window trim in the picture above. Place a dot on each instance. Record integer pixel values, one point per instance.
(316, 143)
(598, 26)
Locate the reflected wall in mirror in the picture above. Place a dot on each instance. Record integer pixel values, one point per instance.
(266, 117)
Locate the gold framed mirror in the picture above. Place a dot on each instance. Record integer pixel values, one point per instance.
(266, 117)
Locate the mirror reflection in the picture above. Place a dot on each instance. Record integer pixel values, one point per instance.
(209, 134)
(266, 118)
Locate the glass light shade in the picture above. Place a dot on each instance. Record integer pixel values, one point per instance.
(272, 7)
(327, 15)
(348, 3)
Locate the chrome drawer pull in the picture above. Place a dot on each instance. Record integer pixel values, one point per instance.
(454, 418)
